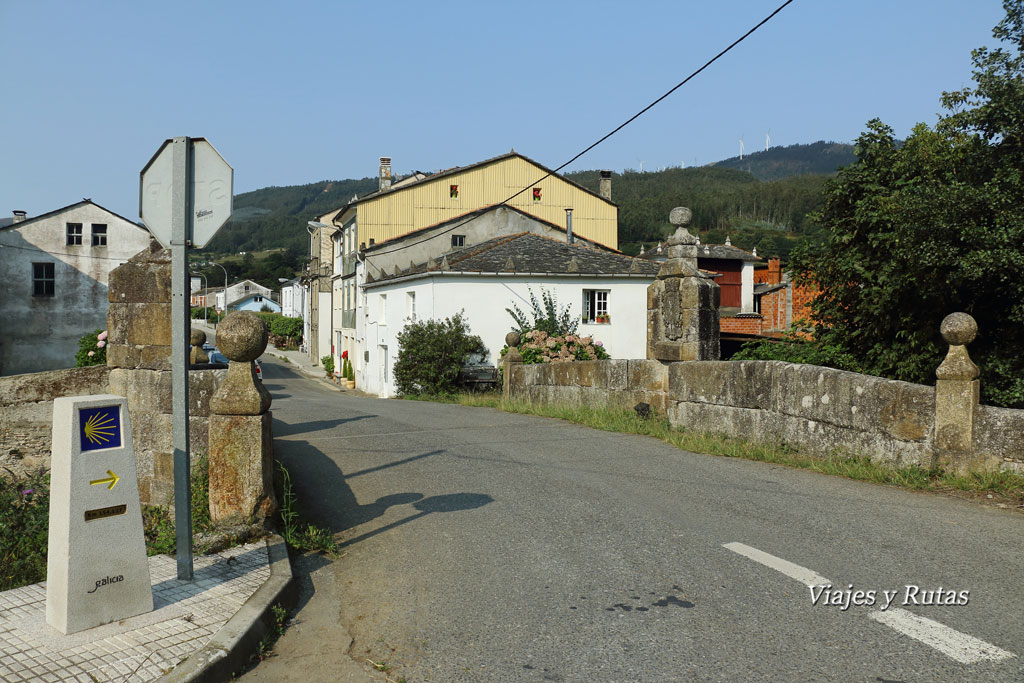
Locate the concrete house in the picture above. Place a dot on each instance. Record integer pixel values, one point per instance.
(444, 211)
(606, 289)
(54, 268)
(239, 291)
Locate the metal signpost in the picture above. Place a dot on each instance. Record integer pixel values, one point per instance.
(185, 196)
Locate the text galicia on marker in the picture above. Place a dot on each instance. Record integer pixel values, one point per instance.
(910, 595)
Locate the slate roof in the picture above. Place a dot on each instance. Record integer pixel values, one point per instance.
(719, 251)
(528, 253)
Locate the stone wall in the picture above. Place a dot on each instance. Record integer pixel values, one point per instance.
(26, 412)
(819, 410)
(139, 358)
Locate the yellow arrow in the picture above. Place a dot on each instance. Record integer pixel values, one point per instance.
(112, 480)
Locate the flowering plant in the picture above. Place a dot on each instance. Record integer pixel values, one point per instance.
(92, 349)
(540, 347)
(344, 355)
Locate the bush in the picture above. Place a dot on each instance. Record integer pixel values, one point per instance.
(24, 525)
(328, 363)
(540, 347)
(431, 353)
(284, 332)
(795, 347)
(92, 349)
(546, 317)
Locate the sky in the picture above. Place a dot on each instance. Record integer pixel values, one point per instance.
(297, 92)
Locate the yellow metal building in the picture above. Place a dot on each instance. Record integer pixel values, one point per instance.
(423, 201)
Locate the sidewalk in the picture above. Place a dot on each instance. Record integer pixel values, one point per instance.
(203, 630)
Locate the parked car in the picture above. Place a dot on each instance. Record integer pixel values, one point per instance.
(217, 357)
(477, 374)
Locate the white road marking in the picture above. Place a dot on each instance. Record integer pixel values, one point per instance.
(950, 642)
(959, 646)
(793, 571)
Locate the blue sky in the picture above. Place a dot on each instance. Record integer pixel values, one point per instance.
(297, 92)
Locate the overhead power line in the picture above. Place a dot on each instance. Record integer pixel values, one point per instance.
(615, 130)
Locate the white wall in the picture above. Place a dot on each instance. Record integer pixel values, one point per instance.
(747, 287)
(484, 300)
(42, 333)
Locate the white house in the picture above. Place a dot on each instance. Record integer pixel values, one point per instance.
(293, 295)
(54, 270)
(239, 290)
(484, 280)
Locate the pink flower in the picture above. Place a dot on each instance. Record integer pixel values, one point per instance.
(597, 343)
(102, 335)
(92, 353)
(100, 344)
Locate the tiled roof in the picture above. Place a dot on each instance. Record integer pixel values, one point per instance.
(528, 253)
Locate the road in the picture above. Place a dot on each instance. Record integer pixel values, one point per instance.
(485, 546)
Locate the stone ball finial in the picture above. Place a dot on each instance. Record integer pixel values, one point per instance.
(198, 338)
(513, 339)
(680, 216)
(958, 329)
(242, 337)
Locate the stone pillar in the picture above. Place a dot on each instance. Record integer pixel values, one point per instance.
(512, 359)
(197, 355)
(957, 395)
(241, 442)
(682, 304)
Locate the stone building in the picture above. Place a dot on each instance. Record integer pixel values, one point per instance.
(54, 270)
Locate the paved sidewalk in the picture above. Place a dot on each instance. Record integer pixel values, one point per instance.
(199, 630)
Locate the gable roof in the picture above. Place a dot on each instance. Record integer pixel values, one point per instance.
(406, 184)
(66, 208)
(526, 253)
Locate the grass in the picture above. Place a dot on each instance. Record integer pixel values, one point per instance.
(296, 532)
(157, 523)
(1002, 487)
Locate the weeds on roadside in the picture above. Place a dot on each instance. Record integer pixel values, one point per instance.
(157, 523)
(623, 419)
(24, 524)
(296, 534)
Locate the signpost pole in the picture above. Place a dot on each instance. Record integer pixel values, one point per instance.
(181, 215)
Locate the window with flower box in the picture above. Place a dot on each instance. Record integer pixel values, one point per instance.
(595, 306)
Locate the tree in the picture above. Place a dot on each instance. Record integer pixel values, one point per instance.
(936, 225)
(431, 353)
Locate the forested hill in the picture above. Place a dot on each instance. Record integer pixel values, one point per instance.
(782, 162)
(763, 204)
(276, 216)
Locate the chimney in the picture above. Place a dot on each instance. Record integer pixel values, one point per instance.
(606, 185)
(19, 216)
(568, 227)
(385, 174)
(774, 271)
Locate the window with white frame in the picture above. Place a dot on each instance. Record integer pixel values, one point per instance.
(595, 306)
(383, 310)
(99, 234)
(458, 241)
(410, 306)
(74, 234)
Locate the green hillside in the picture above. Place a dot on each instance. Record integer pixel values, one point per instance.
(760, 202)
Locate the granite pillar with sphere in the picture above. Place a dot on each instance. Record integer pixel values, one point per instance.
(241, 442)
(682, 304)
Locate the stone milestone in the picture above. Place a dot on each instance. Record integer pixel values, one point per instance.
(96, 570)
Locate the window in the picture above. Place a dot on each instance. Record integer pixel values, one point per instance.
(74, 233)
(257, 298)
(42, 279)
(458, 241)
(383, 310)
(536, 194)
(410, 306)
(595, 306)
(99, 234)
(453, 191)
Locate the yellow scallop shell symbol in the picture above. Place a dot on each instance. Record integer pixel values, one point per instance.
(99, 428)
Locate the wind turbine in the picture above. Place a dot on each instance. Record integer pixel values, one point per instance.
(741, 148)
(767, 139)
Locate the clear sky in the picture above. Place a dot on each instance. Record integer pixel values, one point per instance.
(296, 92)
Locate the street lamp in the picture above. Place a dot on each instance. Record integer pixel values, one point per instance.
(214, 263)
(206, 293)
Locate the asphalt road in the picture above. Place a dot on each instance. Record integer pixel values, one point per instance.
(484, 546)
